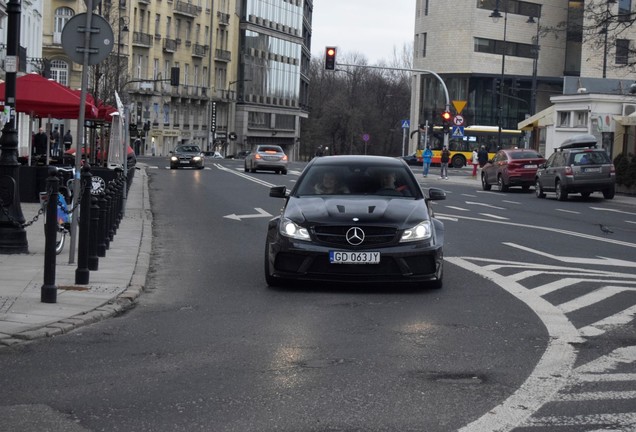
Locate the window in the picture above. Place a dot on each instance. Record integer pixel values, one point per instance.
(622, 51)
(518, 7)
(423, 44)
(514, 49)
(563, 118)
(580, 119)
(624, 10)
(157, 25)
(62, 16)
(59, 71)
(168, 25)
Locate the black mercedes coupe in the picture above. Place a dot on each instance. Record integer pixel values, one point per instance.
(355, 219)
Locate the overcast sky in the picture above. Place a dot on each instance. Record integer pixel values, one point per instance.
(370, 27)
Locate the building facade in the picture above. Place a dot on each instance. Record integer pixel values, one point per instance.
(239, 66)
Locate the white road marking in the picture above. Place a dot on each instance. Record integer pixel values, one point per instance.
(620, 420)
(593, 297)
(612, 210)
(484, 205)
(550, 373)
(603, 395)
(577, 260)
(617, 320)
(261, 213)
(457, 208)
(567, 211)
(494, 216)
(609, 362)
(511, 202)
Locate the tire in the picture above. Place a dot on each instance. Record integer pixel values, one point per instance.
(561, 193)
(609, 192)
(60, 240)
(538, 191)
(458, 161)
(245, 168)
(285, 172)
(269, 279)
(503, 187)
(484, 184)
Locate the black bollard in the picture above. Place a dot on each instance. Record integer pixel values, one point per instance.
(82, 273)
(109, 211)
(48, 291)
(93, 260)
(101, 242)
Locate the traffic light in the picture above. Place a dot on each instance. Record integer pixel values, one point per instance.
(330, 58)
(446, 118)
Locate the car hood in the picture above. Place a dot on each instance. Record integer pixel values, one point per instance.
(177, 153)
(398, 212)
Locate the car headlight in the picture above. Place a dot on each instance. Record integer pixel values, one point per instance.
(289, 228)
(196, 158)
(174, 158)
(421, 231)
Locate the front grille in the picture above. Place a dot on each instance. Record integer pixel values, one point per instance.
(374, 236)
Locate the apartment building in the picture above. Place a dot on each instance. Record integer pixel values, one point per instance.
(240, 69)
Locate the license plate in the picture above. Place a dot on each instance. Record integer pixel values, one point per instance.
(593, 170)
(184, 162)
(338, 257)
(530, 166)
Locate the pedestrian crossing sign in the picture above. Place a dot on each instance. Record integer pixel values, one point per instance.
(457, 132)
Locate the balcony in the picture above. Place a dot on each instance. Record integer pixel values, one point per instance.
(144, 40)
(143, 2)
(199, 50)
(169, 45)
(222, 55)
(224, 19)
(186, 9)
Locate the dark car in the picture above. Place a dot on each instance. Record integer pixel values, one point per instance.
(267, 158)
(511, 167)
(359, 219)
(577, 167)
(412, 160)
(187, 155)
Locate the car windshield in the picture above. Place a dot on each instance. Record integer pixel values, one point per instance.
(357, 180)
(188, 149)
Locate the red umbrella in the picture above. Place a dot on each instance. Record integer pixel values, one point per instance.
(41, 97)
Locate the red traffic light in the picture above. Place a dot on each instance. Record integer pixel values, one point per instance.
(330, 58)
(446, 116)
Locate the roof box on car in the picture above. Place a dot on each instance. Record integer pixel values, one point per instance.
(579, 141)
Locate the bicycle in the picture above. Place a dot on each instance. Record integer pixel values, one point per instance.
(64, 213)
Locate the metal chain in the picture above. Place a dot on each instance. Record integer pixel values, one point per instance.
(42, 209)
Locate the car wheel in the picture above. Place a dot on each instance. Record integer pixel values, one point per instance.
(609, 192)
(245, 168)
(561, 194)
(503, 187)
(285, 172)
(269, 279)
(538, 190)
(484, 183)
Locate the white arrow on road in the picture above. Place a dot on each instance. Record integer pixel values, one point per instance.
(576, 260)
(261, 213)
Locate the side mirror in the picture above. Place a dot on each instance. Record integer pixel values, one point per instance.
(278, 192)
(435, 194)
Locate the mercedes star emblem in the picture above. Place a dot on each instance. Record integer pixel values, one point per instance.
(355, 236)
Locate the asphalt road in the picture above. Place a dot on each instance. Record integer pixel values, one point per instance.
(529, 331)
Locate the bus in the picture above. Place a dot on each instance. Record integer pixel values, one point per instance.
(461, 149)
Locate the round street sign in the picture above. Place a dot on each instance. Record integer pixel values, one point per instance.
(458, 120)
(101, 40)
(366, 137)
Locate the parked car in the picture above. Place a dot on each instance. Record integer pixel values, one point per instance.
(242, 154)
(342, 222)
(412, 160)
(511, 167)
(577, 167)
(187, 155)
(267, 158)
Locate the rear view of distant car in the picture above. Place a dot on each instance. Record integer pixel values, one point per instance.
(267, 158)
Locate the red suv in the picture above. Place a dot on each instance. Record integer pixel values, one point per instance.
(511, 167)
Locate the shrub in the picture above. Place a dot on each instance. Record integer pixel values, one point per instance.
(625, 169)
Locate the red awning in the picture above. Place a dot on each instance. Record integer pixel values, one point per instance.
(41, 97)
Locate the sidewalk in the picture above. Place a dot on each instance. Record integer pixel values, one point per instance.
(113, 288)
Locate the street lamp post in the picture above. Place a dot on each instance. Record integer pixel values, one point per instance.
(605, 32)
(496, 15)
(535, 62)
(121, 27)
